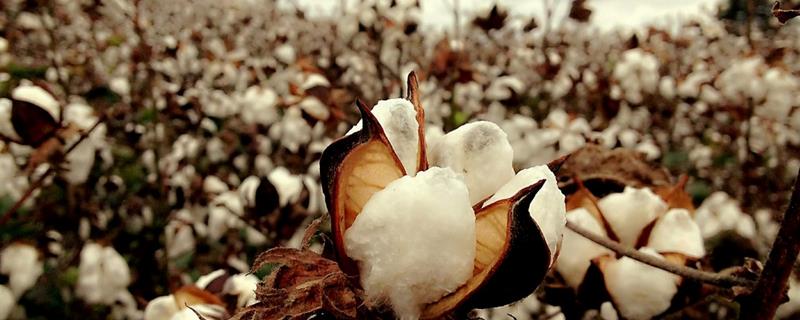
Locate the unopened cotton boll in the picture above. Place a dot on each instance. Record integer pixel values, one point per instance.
(481, 153)
(414, 240)
(624, 279)
(630, 211)
(547, 208)
(399, 122)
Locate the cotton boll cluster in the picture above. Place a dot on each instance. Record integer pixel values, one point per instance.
(719, 212)
(627, 214)
(637, 74)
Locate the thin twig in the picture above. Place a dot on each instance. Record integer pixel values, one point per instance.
(770, 290)
(716, 279)
(6, 216)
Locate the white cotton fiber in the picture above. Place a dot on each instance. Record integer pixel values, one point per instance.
(677, 232)
(579, 251)
(38, 96)
(548, 208)
(414, 240)
(630, 211)
(479, 151)
(639, 291)
(399, 121)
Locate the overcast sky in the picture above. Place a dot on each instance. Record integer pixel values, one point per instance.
(607, 14)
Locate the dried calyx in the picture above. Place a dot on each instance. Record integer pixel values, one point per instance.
(432, 235)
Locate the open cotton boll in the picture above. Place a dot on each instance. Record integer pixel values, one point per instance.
(547, 208)
(625, 278)
(37, 96)
(288, 185)
(579, 251)
(21, 263)
(103, 273)
(677, 232)
(630, 211)
(163, 307)
(479, 151)
(414, 240)
(399, 121)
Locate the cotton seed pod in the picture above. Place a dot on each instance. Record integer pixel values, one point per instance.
(385, 204)
(656, 222)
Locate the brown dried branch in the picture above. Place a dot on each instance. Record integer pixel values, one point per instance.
(716, 279)
(770, 291)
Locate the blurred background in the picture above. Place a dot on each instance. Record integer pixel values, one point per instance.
(176, 138)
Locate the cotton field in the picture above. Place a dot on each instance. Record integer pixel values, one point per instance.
(249, 160)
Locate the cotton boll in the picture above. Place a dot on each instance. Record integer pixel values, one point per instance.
(289, 186)
(676, 232)
(414, 240)
(578, 250)
(103, 273)
(38, 96)
(630, 211)
(258, 106)
(7, 302)
(625, 278)
(21, 263)
(163, 307)
(179, 238)
(399, 121)
(315, 108)
(547, 208)
(285, 53)
(479, 151)
(214, 185)
(243, 286)
(207, 311)
(607, 311)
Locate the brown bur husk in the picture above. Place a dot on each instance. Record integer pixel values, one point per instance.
(353, 169)
(356, 166)
(507, 261)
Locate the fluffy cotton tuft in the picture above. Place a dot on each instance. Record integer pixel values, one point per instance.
(630, 211)
(399, 121)
(7, 302)
(479, 151)
(579, 251)
(625, 278)
(414, 240)
(22, 265)
(103, 274)
(677, 232)
(547, 208)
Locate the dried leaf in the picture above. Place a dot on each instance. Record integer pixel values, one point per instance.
(495, 20)
(302, 285)
(783, 15)
(676, 196)
(311, 230)
(579, 11)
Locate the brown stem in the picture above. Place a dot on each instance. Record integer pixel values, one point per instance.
(770, 290)
(716, 279)
(6, 216)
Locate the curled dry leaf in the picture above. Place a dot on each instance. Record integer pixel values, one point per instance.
(302, 284)
(604, 171)
(783, 15)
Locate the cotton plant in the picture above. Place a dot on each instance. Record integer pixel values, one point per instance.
(673, 236)
(422, 256)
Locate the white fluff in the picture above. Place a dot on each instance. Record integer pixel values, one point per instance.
(7, 302)
(21, 263)
(676, 232)
(413, 247)
(481, 153)
(630, 211)
(626, 278)
(579, 251)
(288, 185)
(103, 274)
(547, 208)
(163, 307)
(399, 121)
